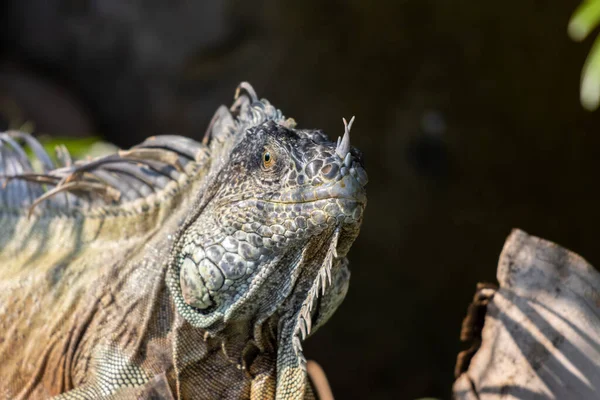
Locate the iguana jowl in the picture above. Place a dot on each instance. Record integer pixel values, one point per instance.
(176, 268)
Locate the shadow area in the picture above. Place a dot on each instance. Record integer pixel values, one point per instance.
(564, 359)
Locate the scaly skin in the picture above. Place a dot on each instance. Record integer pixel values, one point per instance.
(203, 289)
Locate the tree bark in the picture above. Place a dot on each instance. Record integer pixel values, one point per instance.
(540, 336)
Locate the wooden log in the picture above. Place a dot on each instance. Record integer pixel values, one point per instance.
(541, 328)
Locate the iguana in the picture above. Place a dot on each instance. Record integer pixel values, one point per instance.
(176, 269)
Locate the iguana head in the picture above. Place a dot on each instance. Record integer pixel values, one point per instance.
(267, 218)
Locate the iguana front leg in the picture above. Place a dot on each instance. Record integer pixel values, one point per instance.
(264, 385)
(262, 369)
(293, 382)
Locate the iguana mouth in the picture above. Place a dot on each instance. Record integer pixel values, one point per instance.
(348, 187)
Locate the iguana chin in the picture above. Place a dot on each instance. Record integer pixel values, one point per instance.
(176, 269)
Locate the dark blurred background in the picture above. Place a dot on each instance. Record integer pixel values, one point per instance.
(467, 113)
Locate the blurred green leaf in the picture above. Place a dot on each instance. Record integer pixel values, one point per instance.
(590, 78)
(78, 147)
(583, 21)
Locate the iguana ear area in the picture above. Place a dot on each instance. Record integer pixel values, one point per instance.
(230, 125)
(259, 150)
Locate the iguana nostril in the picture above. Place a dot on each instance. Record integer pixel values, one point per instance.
(330, 171)
(313, 168)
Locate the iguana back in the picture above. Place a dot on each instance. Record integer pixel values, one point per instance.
(176, 268)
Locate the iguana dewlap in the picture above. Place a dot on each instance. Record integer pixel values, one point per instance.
(176, 269)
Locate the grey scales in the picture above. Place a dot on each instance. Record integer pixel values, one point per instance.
(175, 269)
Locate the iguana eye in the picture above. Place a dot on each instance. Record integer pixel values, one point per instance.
(268, 159)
